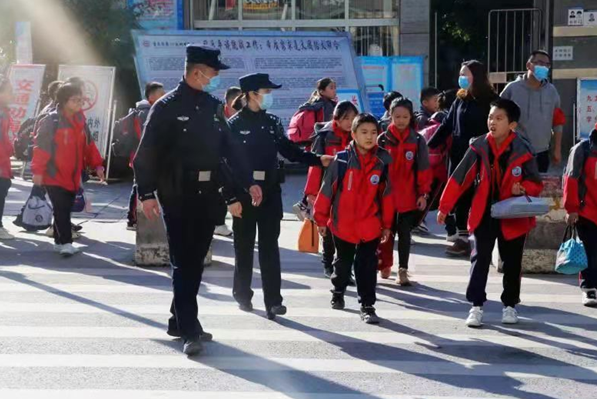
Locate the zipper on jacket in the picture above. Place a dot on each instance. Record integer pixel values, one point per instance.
(350, 180)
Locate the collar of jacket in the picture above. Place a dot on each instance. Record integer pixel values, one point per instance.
(339, 132)
(249, 113)
(78, 120)
(400, 136)
(188, 91)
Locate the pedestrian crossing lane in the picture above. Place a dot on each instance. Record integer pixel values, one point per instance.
(77, 331)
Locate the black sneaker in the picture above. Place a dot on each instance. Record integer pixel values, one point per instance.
(461, 247)
(337, 301)
(368, 315)
(192, 347)
(245, 306)
(76, 227)
(204, 337)
(327, 271)
(131, 226)
(277, 310)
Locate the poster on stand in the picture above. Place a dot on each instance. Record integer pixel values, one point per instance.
(26, 81)
(586, 107)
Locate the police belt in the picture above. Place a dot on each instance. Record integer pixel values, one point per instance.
(201, 176)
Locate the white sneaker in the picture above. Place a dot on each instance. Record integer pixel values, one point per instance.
(589, 297)
(58, 248)
(68, 250)
(50, 232)
(509, 315)
(223, 231)
(75, 235)
(5, 235)
(452, 238)
(475, 317)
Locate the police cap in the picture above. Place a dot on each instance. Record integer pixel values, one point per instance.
(205, 55)
(256, 81)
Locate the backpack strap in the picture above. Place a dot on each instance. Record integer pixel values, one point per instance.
(586, 149)
(342, 158)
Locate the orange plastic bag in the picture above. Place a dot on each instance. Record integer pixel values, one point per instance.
(308, 240)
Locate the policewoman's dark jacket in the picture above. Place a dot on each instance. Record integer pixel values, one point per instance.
(262, 138)
(186, 133)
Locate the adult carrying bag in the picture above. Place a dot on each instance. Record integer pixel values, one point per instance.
(519, 207)
(571, 257)
(308, 241)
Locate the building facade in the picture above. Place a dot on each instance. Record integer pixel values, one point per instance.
(378, 27)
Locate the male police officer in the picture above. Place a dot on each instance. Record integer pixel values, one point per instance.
(185, 143)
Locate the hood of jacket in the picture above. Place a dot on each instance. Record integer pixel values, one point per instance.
(142, 105)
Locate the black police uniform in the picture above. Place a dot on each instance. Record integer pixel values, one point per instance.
(263, 138)
(180, 156)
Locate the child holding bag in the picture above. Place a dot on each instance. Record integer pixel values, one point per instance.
(580, 202)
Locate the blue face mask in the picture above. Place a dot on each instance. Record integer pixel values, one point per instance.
(213, 84)
(541, 72)
(267, 100)
(464, 83)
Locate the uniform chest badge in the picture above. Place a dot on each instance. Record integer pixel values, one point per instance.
(517, 171)
(183, 118)
(245, 132)
(409, 155)
(374, 180)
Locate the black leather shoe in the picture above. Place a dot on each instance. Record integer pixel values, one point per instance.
(246, 307)
(337, 301)
(204, 337)
(192, 347)
(277, 310)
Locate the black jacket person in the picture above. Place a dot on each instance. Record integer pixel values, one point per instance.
(262, 136)
(185, 141)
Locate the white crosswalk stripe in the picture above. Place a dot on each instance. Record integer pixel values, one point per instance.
(73, 332)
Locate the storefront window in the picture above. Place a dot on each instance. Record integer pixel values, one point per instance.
(321, 9)
(266, 9)
(375, 40)
(373, 9)
(215, 10)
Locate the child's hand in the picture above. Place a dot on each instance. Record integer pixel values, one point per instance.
(385, 235)
(326, 160)
(323, 231)
(517, 189)
(311, 199)
(572, 218)
(422, 203)
(441, 217)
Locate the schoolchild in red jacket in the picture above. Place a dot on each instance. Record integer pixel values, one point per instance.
(501, 165)
(411, 175)
(330, 138)
(355, 207)
(63, 148)
(6, 150)
(580, 201)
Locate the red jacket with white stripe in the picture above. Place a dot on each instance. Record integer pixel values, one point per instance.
(410, 171)
(63, 148)
(476, 167)
(6, 149)
(329, 140)
(580, 179)
(363, 206)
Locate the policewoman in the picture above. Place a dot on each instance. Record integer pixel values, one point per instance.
(183, 146)
(262, 138)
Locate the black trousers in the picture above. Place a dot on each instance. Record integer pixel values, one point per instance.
(364, 258)
(461, 211)
(4, 186)
(190, 227)
(132, 214)
(543, 161)
(405, 222)
(62, 202)
(221, 212)
(329, 250)
(266, 220)
(511, 254)
(587, 232)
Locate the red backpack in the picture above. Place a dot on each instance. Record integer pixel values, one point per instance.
(302, 125)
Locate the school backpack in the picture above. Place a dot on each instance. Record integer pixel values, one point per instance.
(23, 142)
(302, 125)
(125, 136)
(37, 212)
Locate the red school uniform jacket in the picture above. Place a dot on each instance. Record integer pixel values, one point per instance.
(580, 179)
(63, 147)
(476, 166)
(410, 171)
(329, 140)
(362, 206)
(6, 149)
